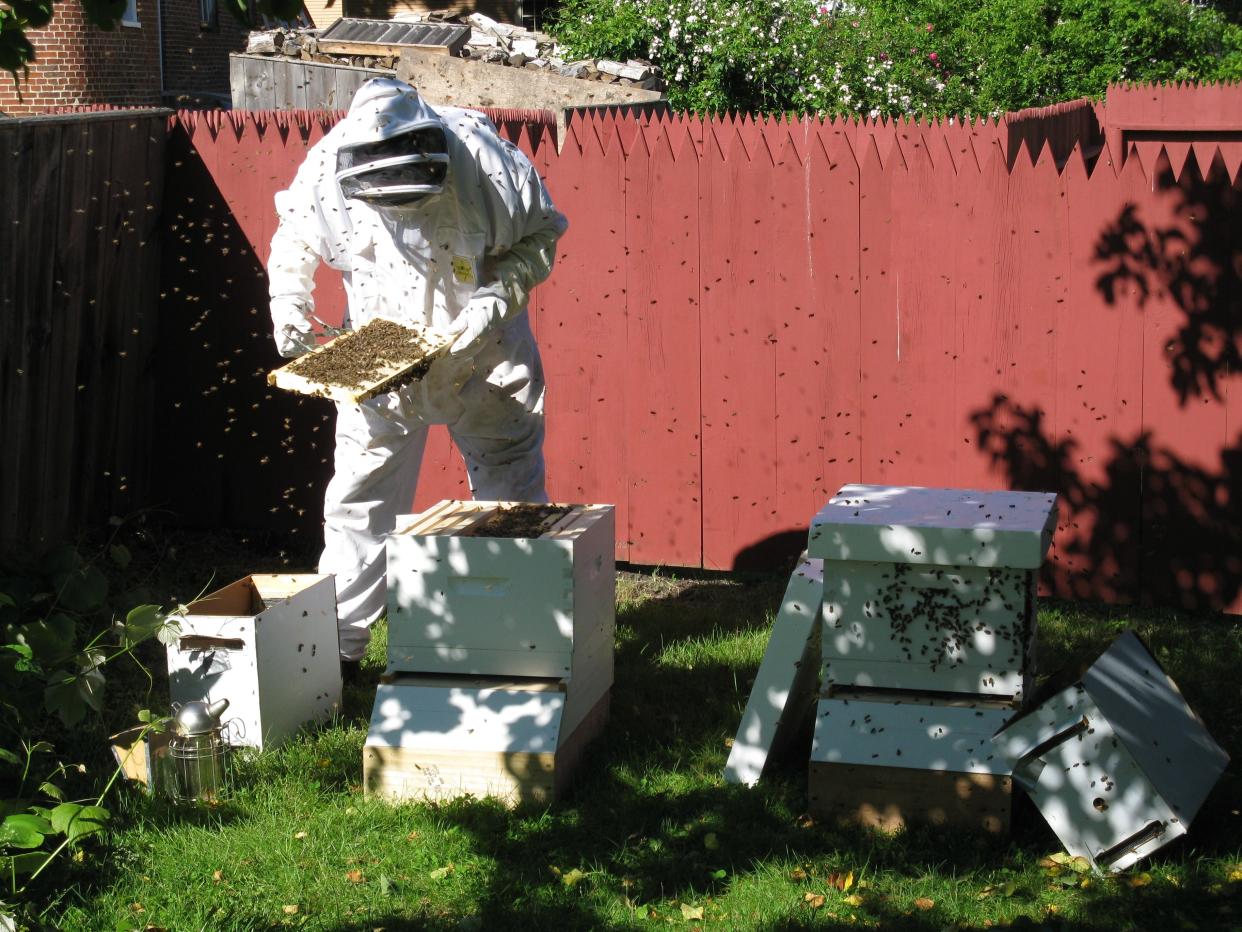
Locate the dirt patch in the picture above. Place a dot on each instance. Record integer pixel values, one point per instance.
(520, 521)
(370, 353)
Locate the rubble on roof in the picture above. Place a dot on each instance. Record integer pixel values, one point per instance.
(490, 42)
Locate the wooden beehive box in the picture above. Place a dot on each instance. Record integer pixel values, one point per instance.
(1117, 762)
(540, 605)
(382, 355)
(268, 644)
(886, 761)
(931, 589)
(442, 737)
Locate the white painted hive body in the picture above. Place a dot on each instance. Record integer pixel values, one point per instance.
(500, 654)
(931, 589)
(784, 690)
(268, 644)
(885, 761)
(503, 606)
(1117, 763)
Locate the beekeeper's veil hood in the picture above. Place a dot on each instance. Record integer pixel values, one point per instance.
(395, 149)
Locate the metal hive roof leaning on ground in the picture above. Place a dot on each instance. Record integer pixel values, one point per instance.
(459, 252)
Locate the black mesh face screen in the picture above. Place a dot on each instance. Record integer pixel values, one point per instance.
(426, 141)
(374, 184)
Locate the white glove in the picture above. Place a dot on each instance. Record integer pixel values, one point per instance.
(291, 327)
(483, 314)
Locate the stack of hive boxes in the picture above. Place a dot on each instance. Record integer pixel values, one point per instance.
(928, 627)
(500, 653)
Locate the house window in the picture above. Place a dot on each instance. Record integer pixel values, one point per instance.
(130, 16)
(208, 15)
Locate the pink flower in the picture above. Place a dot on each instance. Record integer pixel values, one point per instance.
(930, 27)
(934, 57)
(884, 56)
(854, 24)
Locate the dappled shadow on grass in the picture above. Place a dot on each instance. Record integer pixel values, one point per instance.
(651, 824)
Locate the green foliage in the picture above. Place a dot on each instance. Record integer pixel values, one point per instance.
(903, 56)
(18, 16)
(56, 636)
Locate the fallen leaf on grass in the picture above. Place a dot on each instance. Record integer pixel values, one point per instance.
(1140, 880)
(815, 899)
(299, 835)
(292, 909)
(413, 836)
(1235, 875)
(217, 876)
(689, 912)
(854, 900)
(441, 872)
(572, 878)
(355, 876)
(924, 903)
(841, 882)
(797, 874)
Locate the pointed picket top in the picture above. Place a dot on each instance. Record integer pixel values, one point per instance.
(1205, 154)
(913, 151)
(1076, 170)
(630, 135)
(1178, 153)
(751, 132)
(957, 140)
(1103, 161)
(606, 130)
(986, 148)
(1148, 152)
(885, 140)
(1217, 169)
(1231, 155)
(785, 151)
(543, 138)
(868, 155)
(1133, 171)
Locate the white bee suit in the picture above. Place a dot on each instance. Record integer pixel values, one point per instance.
(465, 260)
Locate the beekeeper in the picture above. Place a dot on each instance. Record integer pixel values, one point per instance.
(433, 219)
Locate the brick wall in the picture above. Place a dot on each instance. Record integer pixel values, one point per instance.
(77, 63)
(196, 60)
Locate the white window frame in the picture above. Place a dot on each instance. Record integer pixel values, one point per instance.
(130, 16)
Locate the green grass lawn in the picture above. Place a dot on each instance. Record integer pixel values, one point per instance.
(650, 833)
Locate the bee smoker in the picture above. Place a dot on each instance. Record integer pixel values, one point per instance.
(198, 750)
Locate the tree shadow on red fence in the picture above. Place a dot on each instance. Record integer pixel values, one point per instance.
(1162, 520)
(233, 452)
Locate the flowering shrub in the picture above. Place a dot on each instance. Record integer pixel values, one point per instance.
(902, 56)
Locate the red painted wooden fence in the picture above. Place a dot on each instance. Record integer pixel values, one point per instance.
(747, 313)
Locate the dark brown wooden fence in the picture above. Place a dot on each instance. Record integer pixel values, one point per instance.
(79, 237)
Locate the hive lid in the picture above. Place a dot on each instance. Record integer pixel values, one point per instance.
(946, 527)
(784, 687)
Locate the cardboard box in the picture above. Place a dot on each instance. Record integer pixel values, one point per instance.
(268, 644)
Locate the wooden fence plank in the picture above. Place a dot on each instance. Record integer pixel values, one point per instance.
(741, 325)
(1098, 399)
(662, 355)
(1191, 534)
(581, 320)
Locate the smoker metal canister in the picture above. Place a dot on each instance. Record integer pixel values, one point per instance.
(198, 750)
